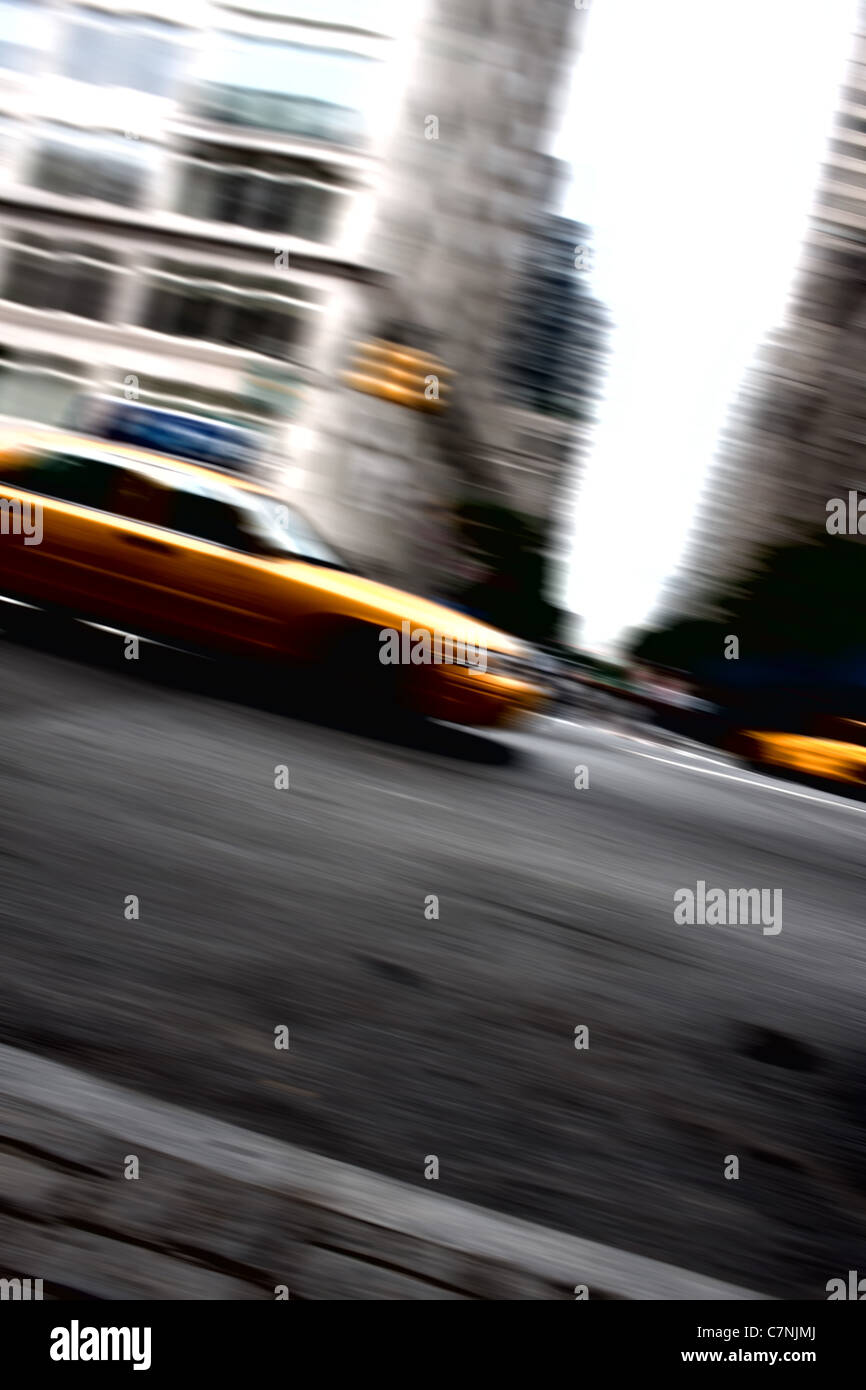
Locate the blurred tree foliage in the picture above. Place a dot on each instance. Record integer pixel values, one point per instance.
(507, 550)
(802, 602)
(804, 598)
(682, 646)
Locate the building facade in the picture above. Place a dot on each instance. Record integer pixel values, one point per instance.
(181, 194)
(796, 435)
(210, 208)
(466, 182)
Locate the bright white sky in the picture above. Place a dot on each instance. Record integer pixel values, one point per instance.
(695, 133)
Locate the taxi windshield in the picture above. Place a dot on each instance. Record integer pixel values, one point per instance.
(291, 533)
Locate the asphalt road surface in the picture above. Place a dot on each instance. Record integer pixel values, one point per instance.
(413, 1036)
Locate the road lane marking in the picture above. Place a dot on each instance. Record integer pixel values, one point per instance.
(404, 796)
(620, 734)
(687, 753)
(751, 782)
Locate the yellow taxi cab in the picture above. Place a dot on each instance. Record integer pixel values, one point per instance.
(172, 550)
(836, 751)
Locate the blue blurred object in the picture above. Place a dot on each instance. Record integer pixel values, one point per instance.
(216, 443)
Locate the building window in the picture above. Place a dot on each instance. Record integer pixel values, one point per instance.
(263, 200)
(71, 279)
(849, 121)
(238, 311)
(24, 35)
(145, 55)
(843, 180)
(848, 148)
(78, 164)
(844, 204)
(363, 16)
(39, 387)
(841, 233)
(319, 94)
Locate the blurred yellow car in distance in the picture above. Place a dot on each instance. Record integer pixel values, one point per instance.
(166, 549)
(835, 752)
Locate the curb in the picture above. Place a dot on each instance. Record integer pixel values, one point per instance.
(221, 1213)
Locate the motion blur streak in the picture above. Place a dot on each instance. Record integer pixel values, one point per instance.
(359, 391)
(697, 133)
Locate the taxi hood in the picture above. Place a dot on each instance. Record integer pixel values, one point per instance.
(385, 606)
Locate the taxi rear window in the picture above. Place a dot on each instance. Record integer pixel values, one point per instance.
(209, 519)
(64, 476)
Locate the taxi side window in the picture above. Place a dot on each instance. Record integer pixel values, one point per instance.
(210, 519)
(139, 497)
(65, 477)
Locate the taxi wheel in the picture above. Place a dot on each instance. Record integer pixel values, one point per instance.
(357, 688)
(40, 625)
(753, 756)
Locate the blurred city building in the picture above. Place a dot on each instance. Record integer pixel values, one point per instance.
(181, 193)
(303, 216)
(553, 372)
(462, 233)
(795, 436)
